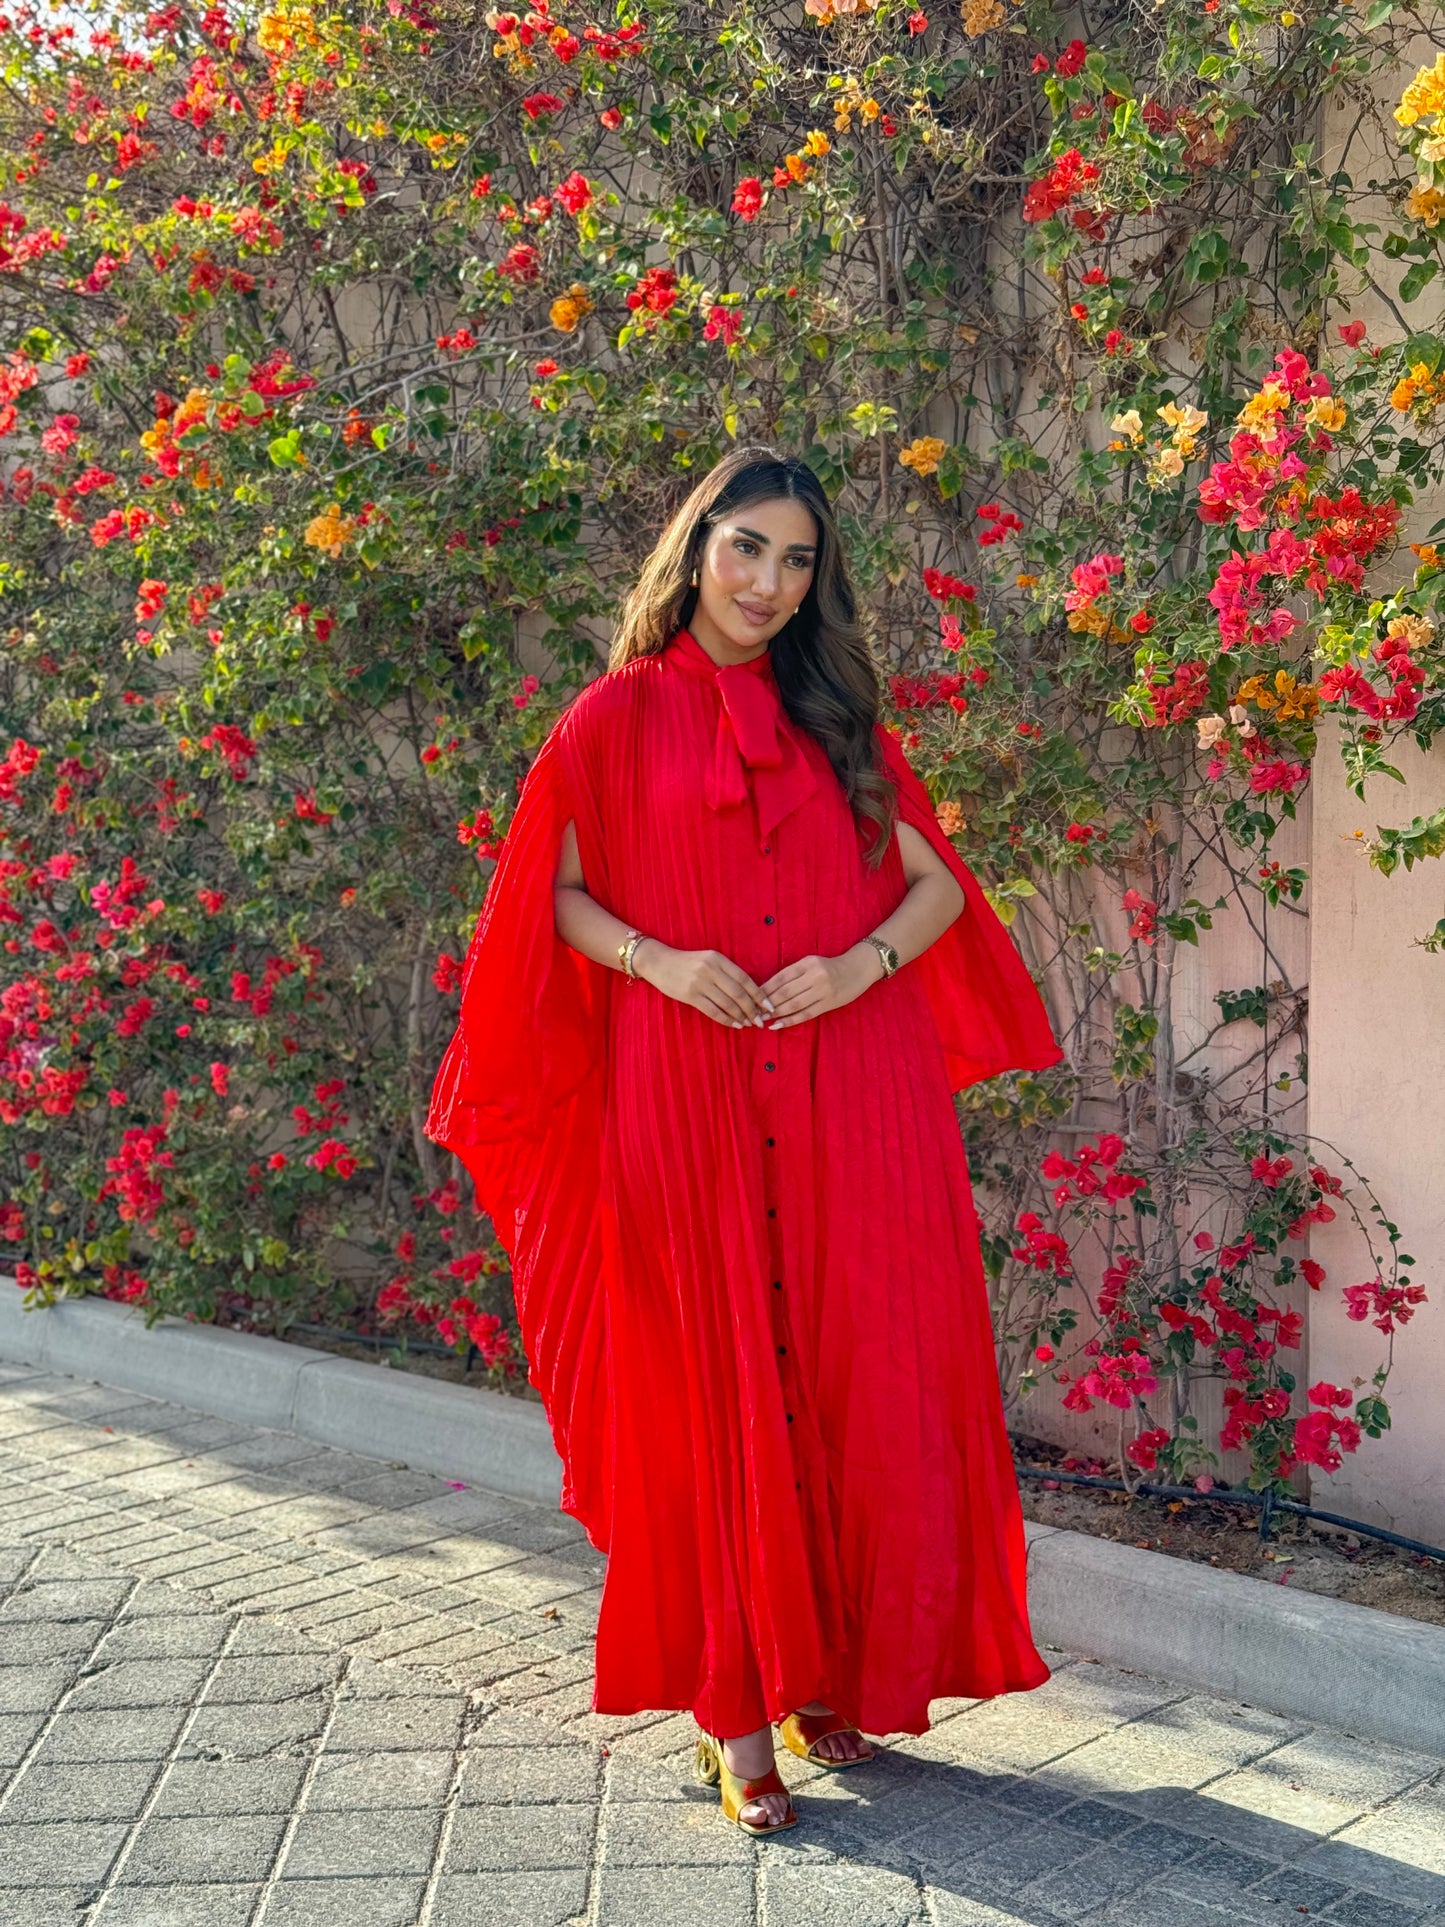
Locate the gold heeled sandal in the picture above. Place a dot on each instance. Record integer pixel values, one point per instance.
(735, 1792)
(802, 1731)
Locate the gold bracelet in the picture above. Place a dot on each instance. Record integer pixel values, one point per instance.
(626, 951)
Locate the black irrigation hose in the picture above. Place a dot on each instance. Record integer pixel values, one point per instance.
(1268, 1502)
(379, 1344)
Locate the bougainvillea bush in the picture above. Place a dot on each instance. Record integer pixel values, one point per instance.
(350, 362)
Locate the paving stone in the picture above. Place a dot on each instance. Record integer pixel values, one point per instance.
(249, 1732)
(35, 1689)
(838, 1896)
(1373, 1910)
(507, 1775)
(717, 1896)
(1363, 1857)
(222, 1847)
(373, 1841)
(1095, 1820)
(17, 1735)
(1347, 1769)
(403, 1725)
(32, 1906)
(75, 1738)
(1297, 1889)
(74, 1793)
(61, 1851)
(343, 1903)
(350, 1782)
(39, 1641)
(219, 1904)
(539, 1899)
(684, 1833)
(948, 1909)
(250, 1681)
(188, 1636)
(138, 1683)
(528, 1839)
(1209, 1874)
(194, 1788)
(55, 1601)
(1010, 1861)
(1082, 1886)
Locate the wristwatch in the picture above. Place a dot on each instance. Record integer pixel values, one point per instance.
(886, 952)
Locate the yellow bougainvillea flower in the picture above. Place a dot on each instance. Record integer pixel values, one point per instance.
(923, 454)
(1260, 409)
(567, 310)
(1325, 412)
(1185, 422)
(1424, 95)
(330, 530)
(1210, 728)
(1425, 204)
(817, 142)
(1291, 700)
(1428, 553)
(1419, 389)
(951, 819)
(1416, 632)
(980, 16)
(1130, 422)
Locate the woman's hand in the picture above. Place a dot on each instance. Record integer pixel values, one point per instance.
(813, 985)
(706, 979)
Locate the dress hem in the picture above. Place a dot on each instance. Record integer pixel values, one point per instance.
(909, 1724)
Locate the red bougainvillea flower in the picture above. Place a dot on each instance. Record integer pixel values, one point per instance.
(235, 745)
(1043, 1250)
(948, 588)
(521, 263)
(1052, 193)
(1144, 911)
(999, 524)
(575, 193)
(654, 294)
(747, 202)
(723, 324)
(1386, 1306)
(536, 105)
(1144, 1451)
(448, 973)
(1072, 58)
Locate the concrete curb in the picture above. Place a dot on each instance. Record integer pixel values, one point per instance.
(478, 1435)
(1305, 1656)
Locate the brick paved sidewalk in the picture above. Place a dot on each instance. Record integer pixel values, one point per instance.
(249, 1682)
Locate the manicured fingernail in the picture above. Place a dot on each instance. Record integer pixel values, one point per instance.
(767, 1007)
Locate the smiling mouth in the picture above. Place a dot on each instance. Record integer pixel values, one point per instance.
(754, 613)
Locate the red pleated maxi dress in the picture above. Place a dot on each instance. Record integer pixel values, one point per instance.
(747, 1264)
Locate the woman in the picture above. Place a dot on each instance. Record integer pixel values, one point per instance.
(728, 971)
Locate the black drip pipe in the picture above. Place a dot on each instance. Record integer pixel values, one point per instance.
(1269, 1503)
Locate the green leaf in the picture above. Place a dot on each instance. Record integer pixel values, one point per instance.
(1415, 279)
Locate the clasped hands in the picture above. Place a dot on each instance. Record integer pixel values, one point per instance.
(715, 985)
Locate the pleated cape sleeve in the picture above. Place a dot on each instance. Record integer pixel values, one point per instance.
(518, 1097)
(988, 1011)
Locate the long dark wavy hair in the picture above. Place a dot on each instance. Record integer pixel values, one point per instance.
(825, 673)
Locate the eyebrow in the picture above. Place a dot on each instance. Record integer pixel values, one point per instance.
(806, 548)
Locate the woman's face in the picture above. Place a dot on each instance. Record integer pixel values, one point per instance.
(755, 569)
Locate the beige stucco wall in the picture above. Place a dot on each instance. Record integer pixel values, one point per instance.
(1377, 1090)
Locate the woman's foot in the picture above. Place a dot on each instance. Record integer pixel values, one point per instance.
(836, 1746)
(749, 1756)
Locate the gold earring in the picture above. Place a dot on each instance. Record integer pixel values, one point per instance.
(693, 583)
